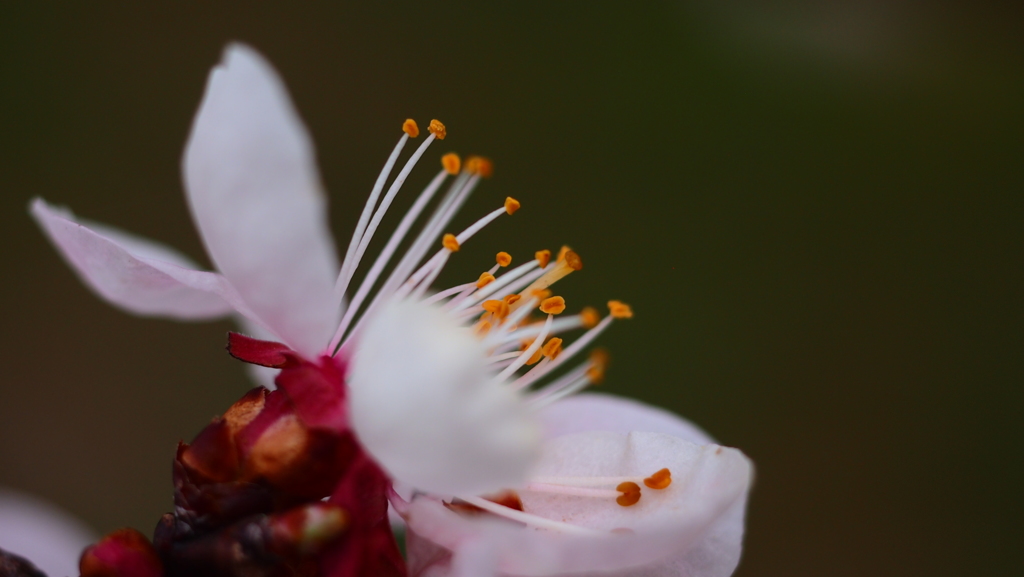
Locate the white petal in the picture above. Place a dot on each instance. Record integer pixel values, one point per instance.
(601, 412)
(252, 183)
(708, 483)
(425, 406)
(51, 539)
(137, 275)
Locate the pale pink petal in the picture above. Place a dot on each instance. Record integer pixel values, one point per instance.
(137, 275)
(41, 533)
(719, 552)
(708, 481)
(424, 404)
(602, 412)
(256, 196)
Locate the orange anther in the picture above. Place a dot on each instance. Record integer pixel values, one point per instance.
(572, 259)
(485, 279)
(437, 129)
(659, 480)
(543, 257)
(552, 348)
(598, 363)
(504, 259)
(411, 128)
(552, 305)
(472, 164)
(620, 310)
(451, 243)
(537, 356)
(511, 299)
(589, 317)
(485, 168)
(451, 163)
(511, 205)
(497, 308)
(630, 494)
(540, 294)
(483, 327)
(562, 251)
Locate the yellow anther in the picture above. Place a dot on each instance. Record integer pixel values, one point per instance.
(483, 327)
(620, 310)
(411, 128)
(561, 252)
(511, 299)
(552, 348)
(437, 129)
(552, 305)
(630, 494)
(598, 364)
(504, 259)
(498, 308)
(451, 163)
(485, 279)
(450, 242)
(589, 317)
(571, 259)
(543, 257)
(659, 480)
(486, 168)
(511, 205)
(540, 294)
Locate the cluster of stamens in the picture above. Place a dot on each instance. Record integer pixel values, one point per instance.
(499, 304)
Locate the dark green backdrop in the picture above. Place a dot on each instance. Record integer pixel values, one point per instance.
(815, 210)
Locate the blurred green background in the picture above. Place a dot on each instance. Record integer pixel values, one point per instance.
(814, 208)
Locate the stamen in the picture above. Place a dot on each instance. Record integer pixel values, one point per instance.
(620, 310)
(411, 128)
(451, 163)
(562, 268)
(504, 259)
(480, 166)
(437, 129)
(511, 205)
(552, 306)
(364, 217)
(599, 362)
(485, 279)
(552, 348)
(589, 317)
(497, 308)
(498, 285)
(385, 255)
(378, 215)
(529, 352)
(511, 299)
(659, 480)
(572, 491)
(630, 494)
(543, 257)
(450, 242)
(528, 519)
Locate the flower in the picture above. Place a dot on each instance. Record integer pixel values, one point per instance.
(439, 420)
(450, 393)
(691, 527)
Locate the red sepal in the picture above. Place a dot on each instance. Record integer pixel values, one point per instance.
(263, 353)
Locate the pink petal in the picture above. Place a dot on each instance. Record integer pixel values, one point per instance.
(709, 481)
(48, 537)
(602, 412)
(137, 275)
(256, 196)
